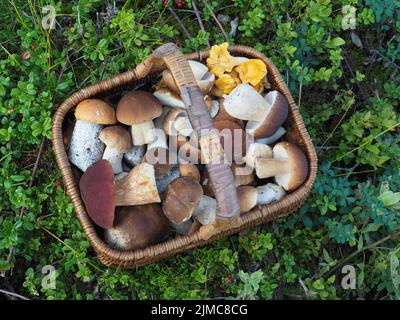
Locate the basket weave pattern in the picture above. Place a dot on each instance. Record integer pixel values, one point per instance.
(296, 133)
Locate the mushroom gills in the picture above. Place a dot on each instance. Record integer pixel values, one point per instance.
(85, 147)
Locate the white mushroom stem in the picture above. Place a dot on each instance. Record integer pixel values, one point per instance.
(142, 133)
(245, 103)
(257, 150)
(183, 126)
(205, 213)
(159, 141)
(275, 137)
(266, 168)
(115, 158)
(269, 193)
(85, 148)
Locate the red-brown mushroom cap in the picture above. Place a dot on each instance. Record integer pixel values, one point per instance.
(98, 193)
(95, 111)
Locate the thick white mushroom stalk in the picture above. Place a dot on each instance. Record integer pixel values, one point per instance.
(115, 158)
(269, 193)
(85, 148)
(142, 133)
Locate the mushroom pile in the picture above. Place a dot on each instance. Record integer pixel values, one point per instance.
(141, 175)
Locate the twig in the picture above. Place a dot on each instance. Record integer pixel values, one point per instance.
(184, 30)
(13, 294)
(196, 11)
(216, 20)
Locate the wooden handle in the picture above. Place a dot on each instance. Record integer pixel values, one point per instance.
(220, 173)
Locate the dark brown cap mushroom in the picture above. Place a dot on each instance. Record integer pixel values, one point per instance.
(117, 141)
(98, 193)
(181, 199)
(138, 109)
(289, 166)
(137, 227)
(189, 170)
(274, 118)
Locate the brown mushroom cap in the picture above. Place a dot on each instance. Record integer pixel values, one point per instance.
(275, 117)
(137, 107)
(98, 193)
(137, 227)
(95, 111)
(181, 199)
(247, 198)
(298, 165)
(189, 170)
(243, 174)
(116, 137)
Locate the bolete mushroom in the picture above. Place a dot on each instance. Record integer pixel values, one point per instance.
(181, 199)
(289, 166)
(137, 227)
(249, 196)
(135, 155)
(206, 211)
(117, 141)
(272, 139)
(169, 98)
(189, 170)
(243, 174)
(98, 193)
(257, 150)
(85, 147)
(138, 109)
(138, 187)
(273, 119)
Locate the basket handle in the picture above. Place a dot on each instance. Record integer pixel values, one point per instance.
(220, 174)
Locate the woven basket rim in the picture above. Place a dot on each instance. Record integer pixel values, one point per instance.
(259, 214)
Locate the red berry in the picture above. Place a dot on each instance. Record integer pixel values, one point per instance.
(230, 279)
(165, 2)
(177, 43)
(180, 4)
(26, 55)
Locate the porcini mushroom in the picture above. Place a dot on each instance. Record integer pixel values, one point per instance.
(169, 98)
(243, 174)
(138, 109)
(181, 199)
(257, 150)
(273, 119)
(289, 166)
(135, 155)
(138, 187)
(85, 147)
(137, 227)
(272, 139)
(189, 170)
(98, 193)
(249, 196)
(206, 211)
(117, 141)
(245, 103)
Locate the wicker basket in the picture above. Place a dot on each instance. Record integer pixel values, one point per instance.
(148, 71)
